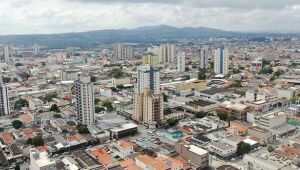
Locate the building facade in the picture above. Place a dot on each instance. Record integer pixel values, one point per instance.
(4, 99)
(181, 62)
(221, 61)
(85, 108)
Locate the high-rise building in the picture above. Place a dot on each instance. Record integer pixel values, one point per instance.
(4, 99)
(151, 59)
(128, 53)
(152, 107)
(85, 108)
(147, 78)
(36, 49)
(6, 49)
(181, 62)
(203, 58)
(118, 51)
(256, 64)
(221, 61)
(148, 102)
(167, 53)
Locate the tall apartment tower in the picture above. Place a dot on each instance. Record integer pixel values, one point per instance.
(36, 49)
(85, 108)
(6, 49)
(221, 60)
(148, 102)
(167, 53)
(4, 99)
(181, 62)
(203, 58)
(128, 53)
(118, 51)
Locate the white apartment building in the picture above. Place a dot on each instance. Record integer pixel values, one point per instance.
(6, 49)
(181, 62)
(4, 99)
(147, 78)
(203, 57)
(36, 49)
(167, 53)
(118, 49)
(85, 108)
(221, 61)
(128, 52)
(41, 161)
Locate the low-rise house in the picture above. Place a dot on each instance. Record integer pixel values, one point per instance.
(222, 149)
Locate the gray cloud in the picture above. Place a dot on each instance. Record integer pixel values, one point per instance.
(54, 16)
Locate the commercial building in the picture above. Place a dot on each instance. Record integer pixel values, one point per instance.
(222, 149)
(252, 162)
(263, 136)
(41, 161)
(181, 62)
(256, 65)
(69, 75)
(221, 61)
(119, 81)
(271, 119)
(85, 108)
(193, 153)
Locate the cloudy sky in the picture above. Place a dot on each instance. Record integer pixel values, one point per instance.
(56, 16)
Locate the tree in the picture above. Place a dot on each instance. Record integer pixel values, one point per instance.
(17, 124)
(107, 104)
(187, 69)
(18, 64)
(200, 114)
(99, 109)
(29, 141)
(202, 74)
(54, 108)
(222, 115)
(97, 101)
(49, 97)
(93, 79)
(165, 97)
(117, 72)
(82, 129)
(56, 116)
(243, 148)
(172, 122)
(120, 86)
(237, 83)
(20, 103)
(6, 79)
(17, 167)
(114, 89)
(270, 148)
(37, 141)
(266, 70)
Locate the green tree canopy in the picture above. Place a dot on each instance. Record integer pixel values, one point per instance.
(37, 141)
(222, 115)
(17, 124)
(82, 129)
(20, 103)
(202, 74)
(200, 114)
(120, 86)
(270, 148)
(54, 108)
(49, 97)
(97, 101)
(107, 104)
(99, 109)
(165, 97)
(172, 122)
(243, 148)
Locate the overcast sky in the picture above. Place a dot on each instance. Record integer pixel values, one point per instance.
(56, 16)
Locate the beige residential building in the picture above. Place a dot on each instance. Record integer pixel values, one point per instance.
(152, 107)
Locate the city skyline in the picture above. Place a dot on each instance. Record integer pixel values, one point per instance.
(60, 16)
